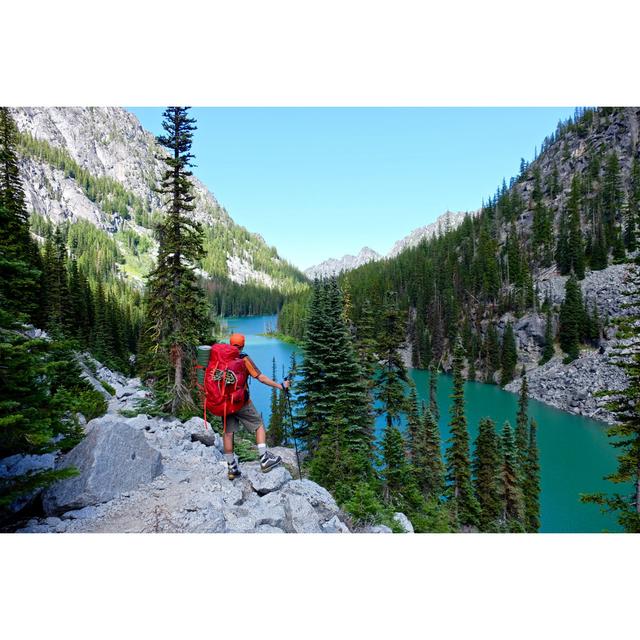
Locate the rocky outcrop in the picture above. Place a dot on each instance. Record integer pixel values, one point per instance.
(192, 492)
(113, 458)
(574, 387)
(603, 288)
(150, 474)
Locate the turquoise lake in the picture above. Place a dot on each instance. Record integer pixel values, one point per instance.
(574, 451)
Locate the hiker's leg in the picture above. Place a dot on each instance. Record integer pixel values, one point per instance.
(251, 421)
(233, 425)
(227, 442)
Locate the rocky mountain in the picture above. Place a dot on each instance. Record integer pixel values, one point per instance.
(333, 266)
(448, 221)
(99, 165)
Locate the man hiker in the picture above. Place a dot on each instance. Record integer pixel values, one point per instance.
(248, 417)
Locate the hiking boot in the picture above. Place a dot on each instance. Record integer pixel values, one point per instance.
(268, 461)
(233, 471)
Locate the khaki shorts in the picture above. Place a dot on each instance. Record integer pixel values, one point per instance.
(248, 417)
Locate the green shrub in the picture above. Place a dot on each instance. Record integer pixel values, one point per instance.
(108, 387)
(365, 507)
(90, 403)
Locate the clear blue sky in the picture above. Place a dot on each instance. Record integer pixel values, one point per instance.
(321, 182)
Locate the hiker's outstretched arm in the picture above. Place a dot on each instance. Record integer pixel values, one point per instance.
(271, 383)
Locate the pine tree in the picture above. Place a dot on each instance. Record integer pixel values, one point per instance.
(511, 490)
(492, 351)
(630, 223)
(20, 261)
(366, 342)
(522, 423)
(548, 351)
(599, 252)
(427, 457)
(514, 259)
(275, 433)
(177, 307)
(486, 475)
(341, 441)
(40, 385)
(433, 392)
(508, 356)
(633, 210)
(392, 376)
(413, 418)
(611, 197)
(458, 467)
(571, 319)
(396, 468)
(618, 254)
(576, 261)
(531, 484)
(562, 254)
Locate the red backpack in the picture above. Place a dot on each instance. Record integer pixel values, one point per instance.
(225, 382)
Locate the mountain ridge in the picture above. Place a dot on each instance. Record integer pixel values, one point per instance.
(334, 266)
(112, 147)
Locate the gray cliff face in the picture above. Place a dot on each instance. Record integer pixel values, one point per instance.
(333, 267)
(109, 142)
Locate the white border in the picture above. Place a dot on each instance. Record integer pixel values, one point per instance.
(334, 52)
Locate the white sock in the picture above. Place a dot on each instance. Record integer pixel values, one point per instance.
(229, 457)
(262, 449)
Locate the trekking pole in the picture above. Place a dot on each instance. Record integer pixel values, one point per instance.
(293, 427)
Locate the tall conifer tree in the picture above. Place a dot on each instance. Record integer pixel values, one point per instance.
(508, 356)
(571, 319)
(427, 457)
(275, 433)
(486, 475)
(177, 308)
(392, 375)
(531, 487)
(458, 466)
(433, 392)
(522, 422)
(548, 351)
(511, 483)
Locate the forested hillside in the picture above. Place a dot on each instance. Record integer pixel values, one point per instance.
(572, 210)
(93, 172)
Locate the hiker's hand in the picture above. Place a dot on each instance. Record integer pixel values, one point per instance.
(286, 384)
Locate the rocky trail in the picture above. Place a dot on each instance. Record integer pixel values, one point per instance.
(146, 474)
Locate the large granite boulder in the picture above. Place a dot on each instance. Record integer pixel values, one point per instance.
(113, 458)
